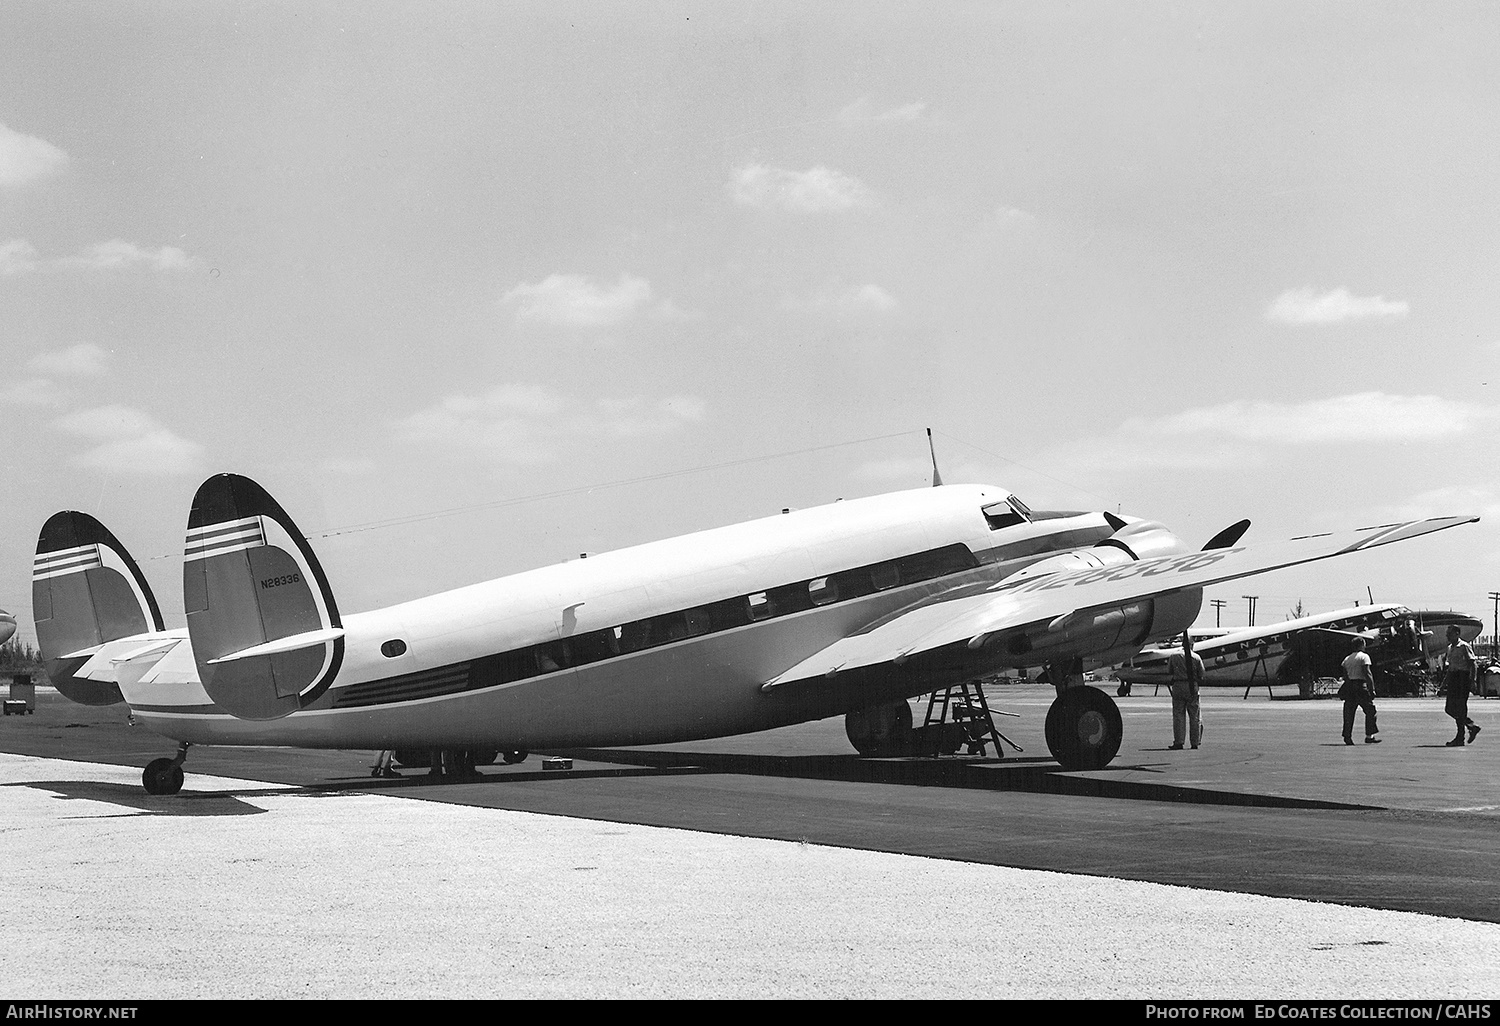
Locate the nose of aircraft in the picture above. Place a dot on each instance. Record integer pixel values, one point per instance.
(7, 626)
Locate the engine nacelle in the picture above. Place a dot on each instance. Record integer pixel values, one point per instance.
(1106, 635)
(1141, 539)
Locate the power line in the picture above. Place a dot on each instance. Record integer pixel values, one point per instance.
(416, 518)
(1023, 466)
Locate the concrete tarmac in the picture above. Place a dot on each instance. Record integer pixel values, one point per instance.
(1272, 807)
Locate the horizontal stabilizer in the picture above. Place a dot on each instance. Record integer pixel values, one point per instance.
(312, 639)
(1035, 602)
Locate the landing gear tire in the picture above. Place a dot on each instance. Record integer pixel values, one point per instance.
(162, 776)
(1084, 729)
(413, 758)
(880, 730)
(484, 756)
(512, 757)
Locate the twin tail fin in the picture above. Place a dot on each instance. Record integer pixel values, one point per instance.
(86, 591)
(265, 628)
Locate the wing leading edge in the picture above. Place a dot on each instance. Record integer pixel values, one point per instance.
(1064, 599)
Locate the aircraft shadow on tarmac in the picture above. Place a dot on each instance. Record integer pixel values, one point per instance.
(1034, 775)
(133, 796)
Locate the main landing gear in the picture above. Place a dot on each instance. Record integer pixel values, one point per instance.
(455, 762)
(1083, 725)
(164, 776)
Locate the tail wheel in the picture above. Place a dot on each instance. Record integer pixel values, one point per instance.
(162, 776)
(1084, 729)
(514, 756)
(880, 730)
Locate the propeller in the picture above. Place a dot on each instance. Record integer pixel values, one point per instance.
(1227, 537)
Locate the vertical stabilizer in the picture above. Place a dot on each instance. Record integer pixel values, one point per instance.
(263, 622)
(85, 591)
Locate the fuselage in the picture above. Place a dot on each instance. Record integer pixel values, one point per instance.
(7, 626)
(660, 642)
(1256, 654)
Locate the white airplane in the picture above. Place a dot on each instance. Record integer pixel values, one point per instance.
(1277, 653)
(850, 608)
(7, 626)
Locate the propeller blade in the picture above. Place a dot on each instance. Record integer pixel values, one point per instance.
(1227, 537)
(1114, 522)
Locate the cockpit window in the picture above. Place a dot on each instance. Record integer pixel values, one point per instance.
(1005, 514)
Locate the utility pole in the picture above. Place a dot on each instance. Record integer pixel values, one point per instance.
(1251, 599)
(1219, 605)
(1495, 626)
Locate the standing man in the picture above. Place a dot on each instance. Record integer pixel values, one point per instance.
(1186, 669)
(1358, 692)
(1460, 675)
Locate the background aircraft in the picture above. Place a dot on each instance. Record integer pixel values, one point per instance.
(839, 609)
(1304, 648)
(7, 626)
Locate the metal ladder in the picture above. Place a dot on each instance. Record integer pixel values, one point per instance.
(969, 709)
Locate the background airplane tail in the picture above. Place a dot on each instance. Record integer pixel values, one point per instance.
(86, 591)
(265, 629)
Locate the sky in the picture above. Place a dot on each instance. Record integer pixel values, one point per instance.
(472, 288)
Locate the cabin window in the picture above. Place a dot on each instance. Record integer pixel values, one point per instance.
(924, 566)
(502, 668)
(552, 656)
(730, 613)
(885, 575)
(760, 606)
(667, 628)
(697, 621)
(594, 646)
(393, 648)
(822, 591)
(789, 598)
(634, 636)
(852, 583)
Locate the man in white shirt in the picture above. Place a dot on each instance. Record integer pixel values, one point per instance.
(1186, 670)
(1460, 676)
(1358, 692)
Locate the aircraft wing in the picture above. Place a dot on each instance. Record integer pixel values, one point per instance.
(1310, 637)
(1066, 599)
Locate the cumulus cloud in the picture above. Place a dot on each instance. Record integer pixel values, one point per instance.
(130, 441)
(524, 424)
(818, 190)
(1447, 501)
(37, 392)
(1364, 416)
(117, 253)
(25, 158)
(17, 256)
(1246, 434)
(1013, 215)
(82, 360)
(862, 110)
(1305, 306)
(866, 299)
(576, 301)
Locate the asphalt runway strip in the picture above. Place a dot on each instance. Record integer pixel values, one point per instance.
(237, 889)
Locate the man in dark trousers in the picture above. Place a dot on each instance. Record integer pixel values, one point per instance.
(1461, 666)
(1186, 670)
(1358, 692)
